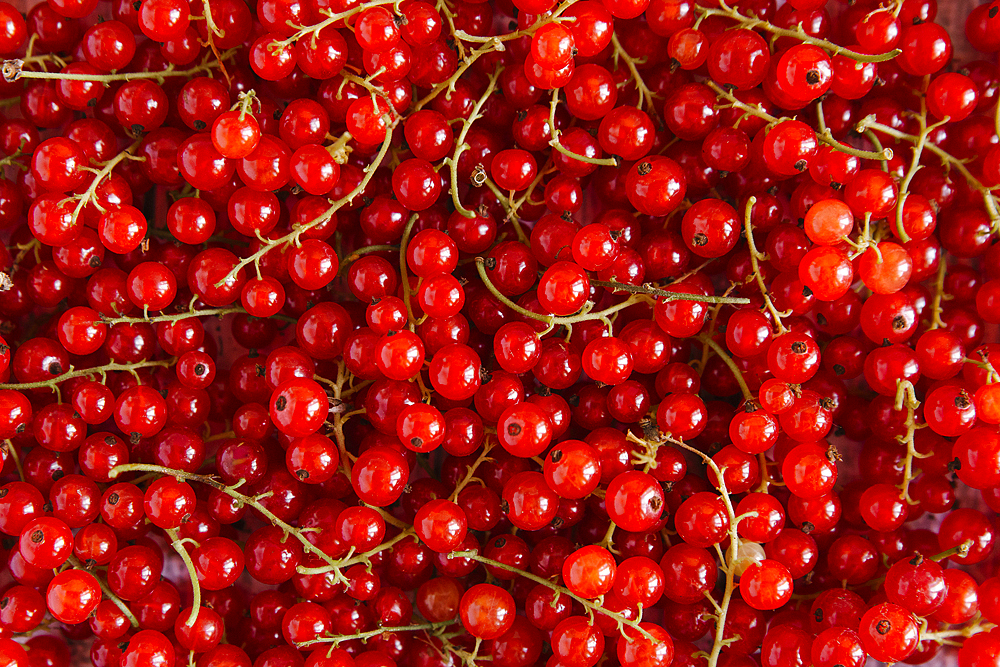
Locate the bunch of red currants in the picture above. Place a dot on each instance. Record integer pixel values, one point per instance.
(522, 333)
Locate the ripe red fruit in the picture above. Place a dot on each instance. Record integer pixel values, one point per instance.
(625, 273)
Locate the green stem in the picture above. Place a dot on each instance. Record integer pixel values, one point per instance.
(105, 171)
(178, 545)
(936, 310)
(554, 141)
(407, 293)
(233, 493)
(338, 419)
(293, 236)
(722, 608)
(873, 138)
(363, 636)
(918, 149)
(989, 200)
(84, 372)
(108, 593)
(511, 208)
(823, 137)
(588, 604)
(492, 44)
(12, 71)
(906, 398)
(751, 23)
(12, 450)
(209, 312)
(470, 473)
(755, 257)
(961, 550)
(549, 17)
(332, 18)
(362, 558)
(645, 94)
(461, 146)
(667, 295)
(481, 268)
(728, 360)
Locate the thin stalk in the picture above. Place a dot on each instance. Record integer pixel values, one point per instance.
(667, 295)
(470, 473)
(918, 149)
(293, 236)
(178, 544)
(229, 491)
(461, 146)
(509, 206)
(751, 23)
(108, 593)
(755, 258)
(939, 295)
(554, 141)
(645, 94)
(12, 450)
(590, 605)
(989, 199)
(407, 293)
(906, 398)
(823, 137)
(728, 360)
(209, 312)
(364, 636)
(105, 171)
(84, 372)
(12, 70)
(338, 419)
(727, 566)
(492, 44)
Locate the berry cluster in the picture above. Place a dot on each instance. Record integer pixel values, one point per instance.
(437, 333)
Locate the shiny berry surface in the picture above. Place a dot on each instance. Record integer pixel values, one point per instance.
(649, 333)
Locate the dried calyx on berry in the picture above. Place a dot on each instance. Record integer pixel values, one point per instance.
(602, 303)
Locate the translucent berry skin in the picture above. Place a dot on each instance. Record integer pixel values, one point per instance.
(56, 165)
(639, 580)
(701, 520)
(454, 372)
(167, 502)
(486, 611)
(889, 632)
(563, 288)
(962, 525)
(46, 542)
(299, 407)
(140, 411)
(529, 503)
(978, 452)
(656, 185)
(441, 525)
(572, 469)
(234, 134)
(919, 586)
(766, 585)
(379, 476)
(14, 30)
(655, 652)
(710, 228)
(635, 501)
(72, 596)
(808, 471)
(882, 508)
(589, 571)
(741, 58)
(608, 360)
